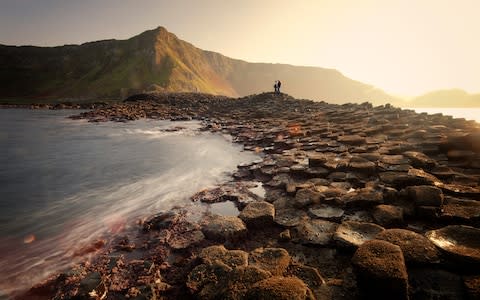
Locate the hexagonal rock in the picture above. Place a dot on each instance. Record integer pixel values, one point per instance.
(258, 214)
(381, 271)
(308, 274)
(358, 164)
(460, 242)
(420, 160)
(306, 197)
(290, 217)
(394, 159)
(224, 228)
(274, 260)
(351, 139)
(326, 212)
(365, 197)
(280, 288)
(425, 195)
(417, 249)
(352, 234)
(461, 210)
(315, 232)
(184, 240)
(388, 215)
(316, 160)
(232, 258)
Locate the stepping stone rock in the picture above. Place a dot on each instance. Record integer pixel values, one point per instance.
(274, 260)
(280, 288)
(388, 215)
(361, 198)
(258, 214)
(425, 195)
(185, 240)
(461, 210)
(417, 249)
(381, 271)
(420, 160)
(352, 234)
(351, 139)
(290, 217)
(306, 197)
(461, 243)
(224, 228)
(326, 212)
(231, 258)
(315, 232)
(394, 160)
(434, 284)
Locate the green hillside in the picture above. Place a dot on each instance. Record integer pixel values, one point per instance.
(157, 60)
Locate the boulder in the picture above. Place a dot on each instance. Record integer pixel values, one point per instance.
(274, 260)
(352, 234)
(315, 232)
(258, 214)
(224, 228)
(388, 215)
(381, 271)
(280, 288)
(417, 249)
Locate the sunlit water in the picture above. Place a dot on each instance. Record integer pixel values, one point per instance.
(456, 112)
(65, 183)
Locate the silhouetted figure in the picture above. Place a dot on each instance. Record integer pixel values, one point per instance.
(279, 84)
(275, 86)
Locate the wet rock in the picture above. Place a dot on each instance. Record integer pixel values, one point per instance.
(224, 228)
(425, 195)
(352, 234)
(185, 240)
(162, 220)
(281, 288)
(388, 215)
(91, 282)
(360, 198)
(381, 271)
(290, 217)
(306, 197)
(273, 260)
(326, 212)
(417, 249)
(461, 243)
(258, 214)
(231, 258)
(315, 232)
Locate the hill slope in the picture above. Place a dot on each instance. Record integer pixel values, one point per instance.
(446, 98)
(158, 60)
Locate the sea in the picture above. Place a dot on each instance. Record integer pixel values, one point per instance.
(65, 184)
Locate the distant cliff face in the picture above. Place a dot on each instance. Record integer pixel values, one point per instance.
(158, 60)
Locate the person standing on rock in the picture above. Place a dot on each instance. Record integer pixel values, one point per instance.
(279, 84)
(275, 86)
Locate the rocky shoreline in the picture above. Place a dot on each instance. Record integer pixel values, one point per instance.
(360, 202)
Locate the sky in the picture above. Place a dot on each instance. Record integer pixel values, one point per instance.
(406, 47)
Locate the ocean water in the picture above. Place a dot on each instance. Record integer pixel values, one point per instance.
(65, 183)
(456, 112)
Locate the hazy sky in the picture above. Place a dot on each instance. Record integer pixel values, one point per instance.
(405, 47)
